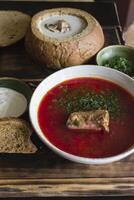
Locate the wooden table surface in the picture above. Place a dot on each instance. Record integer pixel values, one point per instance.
(46, 174)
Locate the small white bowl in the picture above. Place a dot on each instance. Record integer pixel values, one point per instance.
(74, 72)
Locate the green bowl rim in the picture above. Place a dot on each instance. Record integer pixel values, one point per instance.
(112, 46)
(28, 97)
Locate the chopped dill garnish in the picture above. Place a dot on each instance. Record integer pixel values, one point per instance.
(76, 122)
(121, 64)
(64, 88)
(91, 100)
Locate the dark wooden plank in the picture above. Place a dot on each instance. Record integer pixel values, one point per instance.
(72, 198)
(97, 9)
(15, 62)
(49, 165)
(66, 187)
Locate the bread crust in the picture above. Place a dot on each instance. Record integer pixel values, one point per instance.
(15, 136)
(74, 50)
(13, 26)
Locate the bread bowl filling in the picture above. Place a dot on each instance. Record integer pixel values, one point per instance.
(61, 26)
(12, 103)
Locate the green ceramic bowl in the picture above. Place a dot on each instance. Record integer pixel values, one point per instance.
(18, 85)
(15, 96)
(109, 53)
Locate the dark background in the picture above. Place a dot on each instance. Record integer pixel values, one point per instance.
(125, 10)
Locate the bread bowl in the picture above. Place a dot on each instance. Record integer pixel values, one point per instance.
(63, 37)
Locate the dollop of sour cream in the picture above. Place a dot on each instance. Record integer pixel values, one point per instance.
(12, 103)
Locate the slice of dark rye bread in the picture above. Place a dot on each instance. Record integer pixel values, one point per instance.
(13, 26)
(15, 136)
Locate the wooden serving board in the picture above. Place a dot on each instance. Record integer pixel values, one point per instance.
(45, 173)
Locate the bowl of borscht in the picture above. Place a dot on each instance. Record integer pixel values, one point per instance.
(85, 114)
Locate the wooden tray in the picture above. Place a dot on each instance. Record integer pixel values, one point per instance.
(45, 173)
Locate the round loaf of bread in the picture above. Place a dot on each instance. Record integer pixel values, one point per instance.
(63, 37)
(13, 27)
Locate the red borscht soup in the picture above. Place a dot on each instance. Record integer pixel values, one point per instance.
(87, 94)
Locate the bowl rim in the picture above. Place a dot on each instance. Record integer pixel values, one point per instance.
(64, 154)
(26, 91)
(20, 82)
(111, 47)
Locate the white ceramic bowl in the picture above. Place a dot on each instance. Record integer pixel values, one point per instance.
(75, 72)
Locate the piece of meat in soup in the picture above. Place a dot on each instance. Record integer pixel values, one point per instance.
(89, 120)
